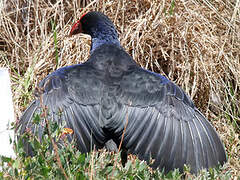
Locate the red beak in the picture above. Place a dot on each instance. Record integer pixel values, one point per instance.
(77, 28)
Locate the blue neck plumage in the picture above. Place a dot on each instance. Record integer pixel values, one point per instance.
(107, 36)
(98, 42)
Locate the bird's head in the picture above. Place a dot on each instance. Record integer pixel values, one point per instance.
(99, 27)
(92, 23)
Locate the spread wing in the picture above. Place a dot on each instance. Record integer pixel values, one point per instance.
(163, 124)
(69, 100)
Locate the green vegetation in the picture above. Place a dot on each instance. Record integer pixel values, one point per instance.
(66, 162)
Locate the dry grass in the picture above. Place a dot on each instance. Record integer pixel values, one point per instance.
(194, 43)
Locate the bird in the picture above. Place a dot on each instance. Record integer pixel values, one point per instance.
(111, 98)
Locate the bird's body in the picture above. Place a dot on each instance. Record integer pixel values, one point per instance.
(98, 98)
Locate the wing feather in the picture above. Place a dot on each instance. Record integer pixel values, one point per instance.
(176, 145)
(147, 130)
(165, 125)
(135, 134)
(60, 95)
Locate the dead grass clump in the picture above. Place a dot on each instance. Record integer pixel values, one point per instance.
(194, 43)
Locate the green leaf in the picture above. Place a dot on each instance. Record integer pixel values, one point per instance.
(55, 42)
